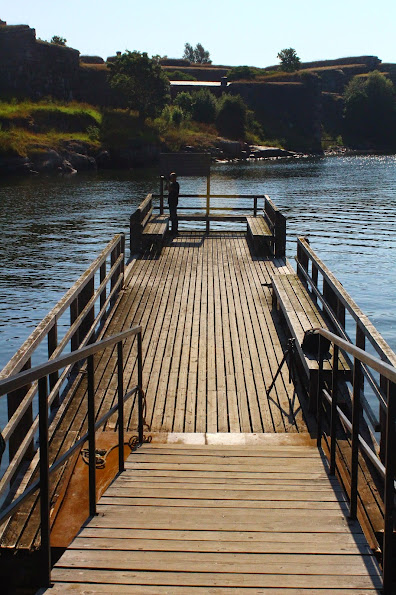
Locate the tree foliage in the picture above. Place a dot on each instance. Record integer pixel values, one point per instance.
(204, 106)
(238, 73)
(290, 62)
(197, 55)
(57, 40)
(232, 117)
(185, 101)
(140, 83)
(370, 112)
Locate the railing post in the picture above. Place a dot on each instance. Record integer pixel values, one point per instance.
(84, 297)
(280, 235)
(319, 395)
(102, 277)
(91, 436)
(44, 483)
(357, 382)
(161, 195)
(52, 345)
(302, 259)
(314, 276)
(333, 420)
(330, 296)
(14, 399)
(140, 387)
(120, 369)
(389, 491)
(122, 251)
(255, 206)
(208, 204)
(75, 340)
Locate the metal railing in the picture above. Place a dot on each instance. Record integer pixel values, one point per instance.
(348, 319)
(86, 317)
(386, 469)
(41, 374)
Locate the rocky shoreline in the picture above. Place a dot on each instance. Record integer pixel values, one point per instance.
(74, 157)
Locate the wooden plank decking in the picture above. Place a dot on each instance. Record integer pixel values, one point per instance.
(210, 341)
(215, 518)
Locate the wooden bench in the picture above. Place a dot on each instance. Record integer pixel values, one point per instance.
(260, 234)
(268, 231)
(147, 229)
(301, 314)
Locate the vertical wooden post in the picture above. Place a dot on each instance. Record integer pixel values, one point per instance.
(255, 206)
(52, 345)
(303, 260)
(14, 399)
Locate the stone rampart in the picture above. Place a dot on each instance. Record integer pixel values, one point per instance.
(290, 112)
(33, 68)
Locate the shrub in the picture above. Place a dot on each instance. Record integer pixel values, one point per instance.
(231, 117)
(241, 73)
(184, 100)
(204, 106)
(370, 112)
(177, 116)
(178, 75)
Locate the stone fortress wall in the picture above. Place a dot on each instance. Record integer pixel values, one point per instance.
(31, 68)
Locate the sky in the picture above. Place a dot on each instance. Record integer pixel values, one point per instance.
(235, 32)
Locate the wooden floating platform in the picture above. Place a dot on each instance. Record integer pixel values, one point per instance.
(231, 495)
(188, 518)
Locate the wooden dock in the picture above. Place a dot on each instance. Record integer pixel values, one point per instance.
(210, 341)
(255, 517)
(224, 489)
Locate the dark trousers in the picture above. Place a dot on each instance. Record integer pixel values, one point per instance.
(173, 215)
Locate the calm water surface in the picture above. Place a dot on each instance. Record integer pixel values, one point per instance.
(52, 229)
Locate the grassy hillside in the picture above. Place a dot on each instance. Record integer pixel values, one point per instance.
(28, 126)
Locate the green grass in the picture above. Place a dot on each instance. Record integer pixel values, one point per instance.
(24, 109)
(26, 125)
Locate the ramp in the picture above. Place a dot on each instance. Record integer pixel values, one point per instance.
(255, 515)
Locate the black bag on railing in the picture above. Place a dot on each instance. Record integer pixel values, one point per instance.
(310, 343)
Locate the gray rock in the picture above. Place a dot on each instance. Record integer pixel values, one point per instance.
(81, 162)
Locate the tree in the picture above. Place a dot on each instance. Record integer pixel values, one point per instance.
(370, 112)
(204, 106)
(231, 117)
(290, 62)
(197, 55)
(140, 82)
(57, 40)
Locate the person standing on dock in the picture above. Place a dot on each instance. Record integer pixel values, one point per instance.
(173, 199)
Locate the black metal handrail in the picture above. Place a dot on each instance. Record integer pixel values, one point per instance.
(41, 374)
(387, 470)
